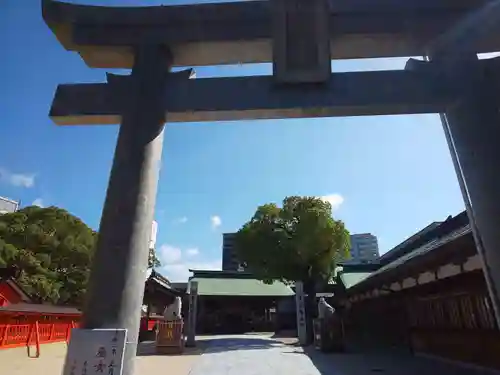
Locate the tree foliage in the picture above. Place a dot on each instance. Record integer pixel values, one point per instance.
(53, 250)
(298, 242)
(153, 260)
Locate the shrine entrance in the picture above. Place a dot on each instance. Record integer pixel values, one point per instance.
(300, 38)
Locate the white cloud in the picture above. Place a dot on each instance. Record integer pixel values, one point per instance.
(335, 200)
(176, 268)
(169, 254)
(180, 271)
(17, 179)
(215, 221)
(181, 220)
(38, 202)
(192, 252)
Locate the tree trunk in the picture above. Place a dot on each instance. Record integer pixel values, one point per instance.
(311, 309)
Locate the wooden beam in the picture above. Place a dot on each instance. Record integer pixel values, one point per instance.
(241, 32)
(250, 98)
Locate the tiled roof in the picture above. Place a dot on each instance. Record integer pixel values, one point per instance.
(421, 251)
(239, 287)
(400, 248)
(160, 279)
(163, 283)
(349, 279)
(429, 233)
(40, 308)
(19, 290)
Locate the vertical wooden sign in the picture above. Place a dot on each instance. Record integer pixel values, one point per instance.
(300, 312)
(193, 298)
(95, 351)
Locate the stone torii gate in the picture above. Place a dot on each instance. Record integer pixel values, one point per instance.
(300, 37)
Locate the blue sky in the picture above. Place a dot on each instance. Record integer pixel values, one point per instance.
(386, 175)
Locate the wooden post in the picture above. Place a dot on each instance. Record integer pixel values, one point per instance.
(35, 330)
(51, 335)
(193, 312)
(300, 312)
(4, 336)
(68, 332)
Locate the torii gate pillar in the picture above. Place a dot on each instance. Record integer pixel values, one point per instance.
(474, 131)
(116, 284)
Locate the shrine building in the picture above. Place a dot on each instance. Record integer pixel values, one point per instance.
(429, 295)
(236, 302)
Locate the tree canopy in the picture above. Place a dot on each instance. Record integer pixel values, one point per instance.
(52, 248)
(299, 241)
(53, 251)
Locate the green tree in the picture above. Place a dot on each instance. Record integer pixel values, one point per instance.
(53, 250)
(153, 261)
(297, 242)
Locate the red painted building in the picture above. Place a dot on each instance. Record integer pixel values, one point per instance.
(11, 293)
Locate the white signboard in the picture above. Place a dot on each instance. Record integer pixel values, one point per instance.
(95, 351)
(300, 312)
(154, 232)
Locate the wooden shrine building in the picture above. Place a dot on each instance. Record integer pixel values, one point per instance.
(10, 291)
(429, 295)
(235, 302)
(158, 293)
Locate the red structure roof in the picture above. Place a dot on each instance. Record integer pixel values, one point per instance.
(37, 308)
(11, 293)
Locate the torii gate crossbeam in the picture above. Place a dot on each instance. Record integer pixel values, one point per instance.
(242, 32)
(252, 98)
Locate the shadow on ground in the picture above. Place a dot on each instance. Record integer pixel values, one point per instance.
(217, 344)
(381, 362)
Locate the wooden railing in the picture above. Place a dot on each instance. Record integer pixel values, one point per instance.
(34, 334)
(33, 330)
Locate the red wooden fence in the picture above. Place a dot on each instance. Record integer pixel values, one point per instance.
(29, 326)
(34, 334)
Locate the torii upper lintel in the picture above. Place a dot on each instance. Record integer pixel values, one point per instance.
(241, 32)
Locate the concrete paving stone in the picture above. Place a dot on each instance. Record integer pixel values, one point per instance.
(264, 355)
(245, 355)
(51, 361)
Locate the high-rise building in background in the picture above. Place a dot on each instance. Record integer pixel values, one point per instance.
(364, 249)
(8, 205)
(230, 261)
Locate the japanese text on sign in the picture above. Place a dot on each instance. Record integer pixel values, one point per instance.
(95, 351)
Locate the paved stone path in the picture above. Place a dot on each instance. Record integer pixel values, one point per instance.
(245, 355)
(262, 355)
(51, 360)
